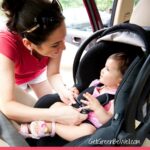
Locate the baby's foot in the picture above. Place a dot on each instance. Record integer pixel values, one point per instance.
(37, 129)
(40, 129)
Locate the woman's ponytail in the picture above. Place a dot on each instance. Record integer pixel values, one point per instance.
(11, 9)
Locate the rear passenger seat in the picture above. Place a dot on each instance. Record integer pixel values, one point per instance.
(140, 16)
(141, 13)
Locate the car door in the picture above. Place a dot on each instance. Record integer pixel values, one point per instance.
(115, 12)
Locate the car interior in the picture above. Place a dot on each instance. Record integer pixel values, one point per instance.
(128, 123)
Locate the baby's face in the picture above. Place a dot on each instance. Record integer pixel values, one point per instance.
(110, 75)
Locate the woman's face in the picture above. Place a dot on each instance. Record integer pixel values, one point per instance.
(54, 44)
(110, 75)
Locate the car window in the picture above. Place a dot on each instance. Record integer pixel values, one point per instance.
(135, 2)
(77, 21)
(105, 9)
(72, 11)
(74, 19)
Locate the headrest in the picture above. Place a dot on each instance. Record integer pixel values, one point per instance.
(140, 14)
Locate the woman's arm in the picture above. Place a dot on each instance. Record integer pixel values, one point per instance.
(22, 113)
(8, 104)
(56, 80)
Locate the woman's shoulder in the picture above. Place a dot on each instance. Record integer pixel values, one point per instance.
(5, 33)
(9, 38)
(9, 44)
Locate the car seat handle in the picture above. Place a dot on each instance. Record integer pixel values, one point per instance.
(81, 49)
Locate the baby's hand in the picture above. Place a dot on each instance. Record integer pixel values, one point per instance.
(91, 102)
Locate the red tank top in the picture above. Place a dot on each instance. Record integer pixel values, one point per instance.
(27, 67)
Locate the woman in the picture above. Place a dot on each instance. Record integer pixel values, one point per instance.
(30, 54)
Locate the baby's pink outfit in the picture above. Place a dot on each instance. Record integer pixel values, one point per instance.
(91, 116)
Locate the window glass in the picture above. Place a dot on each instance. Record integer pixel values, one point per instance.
(104, 5)
(72, 11)
(77, 21)
(105, 9)
(135, 2)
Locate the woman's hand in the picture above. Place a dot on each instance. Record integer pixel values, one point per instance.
(68, 115)
(75, 91)
(68, 96)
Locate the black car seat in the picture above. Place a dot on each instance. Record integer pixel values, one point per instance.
(9, 133)
(134, 41)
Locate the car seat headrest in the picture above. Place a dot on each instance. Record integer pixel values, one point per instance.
(140, 14)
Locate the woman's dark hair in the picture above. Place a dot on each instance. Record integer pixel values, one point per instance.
(33, 19)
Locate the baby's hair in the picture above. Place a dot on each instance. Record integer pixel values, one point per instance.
(123, 59)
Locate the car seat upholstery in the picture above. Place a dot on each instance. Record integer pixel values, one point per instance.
(141, 96)
(122, 11)
(9, 133)
(140, 14)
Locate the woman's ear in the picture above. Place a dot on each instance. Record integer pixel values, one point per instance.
(27, 44)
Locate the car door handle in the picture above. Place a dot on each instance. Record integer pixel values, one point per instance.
(76, 40)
